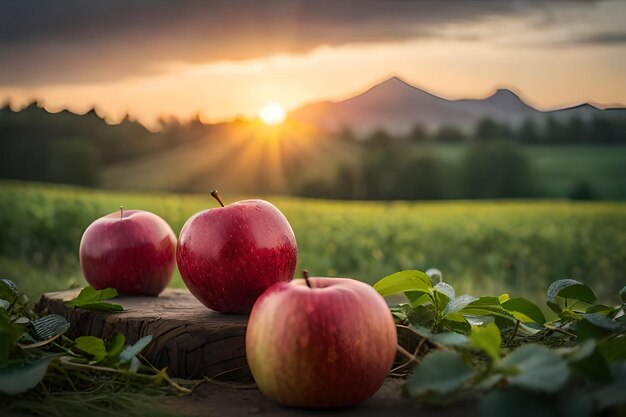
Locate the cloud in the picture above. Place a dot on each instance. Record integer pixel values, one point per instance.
(43, 42)
(599, 39)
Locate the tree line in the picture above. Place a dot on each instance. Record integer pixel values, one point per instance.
(64, 147)
(388, 171)
(550, 130)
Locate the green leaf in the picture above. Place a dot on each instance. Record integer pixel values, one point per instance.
(440, 373)
(458, 326)
(587, 361)
(487, 339)
(602, 321)
(92, 299)
(524, 310)
(7, 342)
(49, 326)
(622, 295)
(568, 289)
(131, 351)
(434, 274)
(417, 298)
(600, 308)
(614, 350)
(596, 326)
(458, 303)
(93, 346)
(422, 315)
(401, 313)
(588, 331)
(445, 289)
(441, 296)
(486, 306)
(487, 301)
(91, 295)
(535, 368)
(103, 306)
(450, 339)
(403, 281)
(421, 330)
(9, 335)
(20, 377)
(116, 346)
(8, 291)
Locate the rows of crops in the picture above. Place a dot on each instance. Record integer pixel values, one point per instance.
(481, 247)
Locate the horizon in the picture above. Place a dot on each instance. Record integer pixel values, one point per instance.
(157, 126)
(135, 59)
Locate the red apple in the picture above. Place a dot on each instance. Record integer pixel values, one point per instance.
(328, 345)
(228, 256)
(130, 250)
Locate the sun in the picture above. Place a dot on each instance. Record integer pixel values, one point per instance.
(272, 114)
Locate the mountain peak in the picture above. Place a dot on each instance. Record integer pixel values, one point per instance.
(394, 82)
(397, 106)
(504, 93)
(394, 79)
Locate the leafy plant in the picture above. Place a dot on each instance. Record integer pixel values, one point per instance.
(34, 352)
(436, 306)
(539, 366)
(92, 299)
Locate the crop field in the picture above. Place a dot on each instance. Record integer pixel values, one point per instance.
(481, 247)
(557, 169)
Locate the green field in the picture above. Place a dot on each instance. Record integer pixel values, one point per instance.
(243, 163)
(481, 247)
(556, 170)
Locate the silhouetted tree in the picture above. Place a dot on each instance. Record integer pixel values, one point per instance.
(73, 162)
(555, 131)
(582, 191)
(418, 133)
(379, 138)
(575, 130)
(528, 132)
(601, 130)
(449, 134)
(488, 128)
(495, 169)
(345, 134)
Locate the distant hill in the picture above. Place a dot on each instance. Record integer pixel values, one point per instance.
(241, 156)
(305, 154)
(397, 106)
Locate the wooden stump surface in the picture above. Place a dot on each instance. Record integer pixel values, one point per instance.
(189, 339)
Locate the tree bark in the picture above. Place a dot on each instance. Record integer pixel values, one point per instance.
(189, 339)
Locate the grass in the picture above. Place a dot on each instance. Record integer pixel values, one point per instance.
(481, 247)
(558, 169)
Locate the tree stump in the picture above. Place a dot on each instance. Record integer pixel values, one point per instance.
(189, 339)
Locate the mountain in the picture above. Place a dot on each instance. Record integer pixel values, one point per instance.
(397, 106)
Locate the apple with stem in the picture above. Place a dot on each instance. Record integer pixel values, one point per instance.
(320, 342)
(132, 251)
(227, 256)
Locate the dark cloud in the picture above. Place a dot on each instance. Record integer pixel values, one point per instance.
(84, 41)
(598, 39)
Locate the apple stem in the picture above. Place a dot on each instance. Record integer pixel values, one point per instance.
(121, 212)
(216, 196)
(305, 275)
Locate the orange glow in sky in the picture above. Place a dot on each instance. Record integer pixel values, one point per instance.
(543, 63)
(272, 114)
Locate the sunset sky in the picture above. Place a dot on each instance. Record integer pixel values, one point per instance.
(224, 59)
